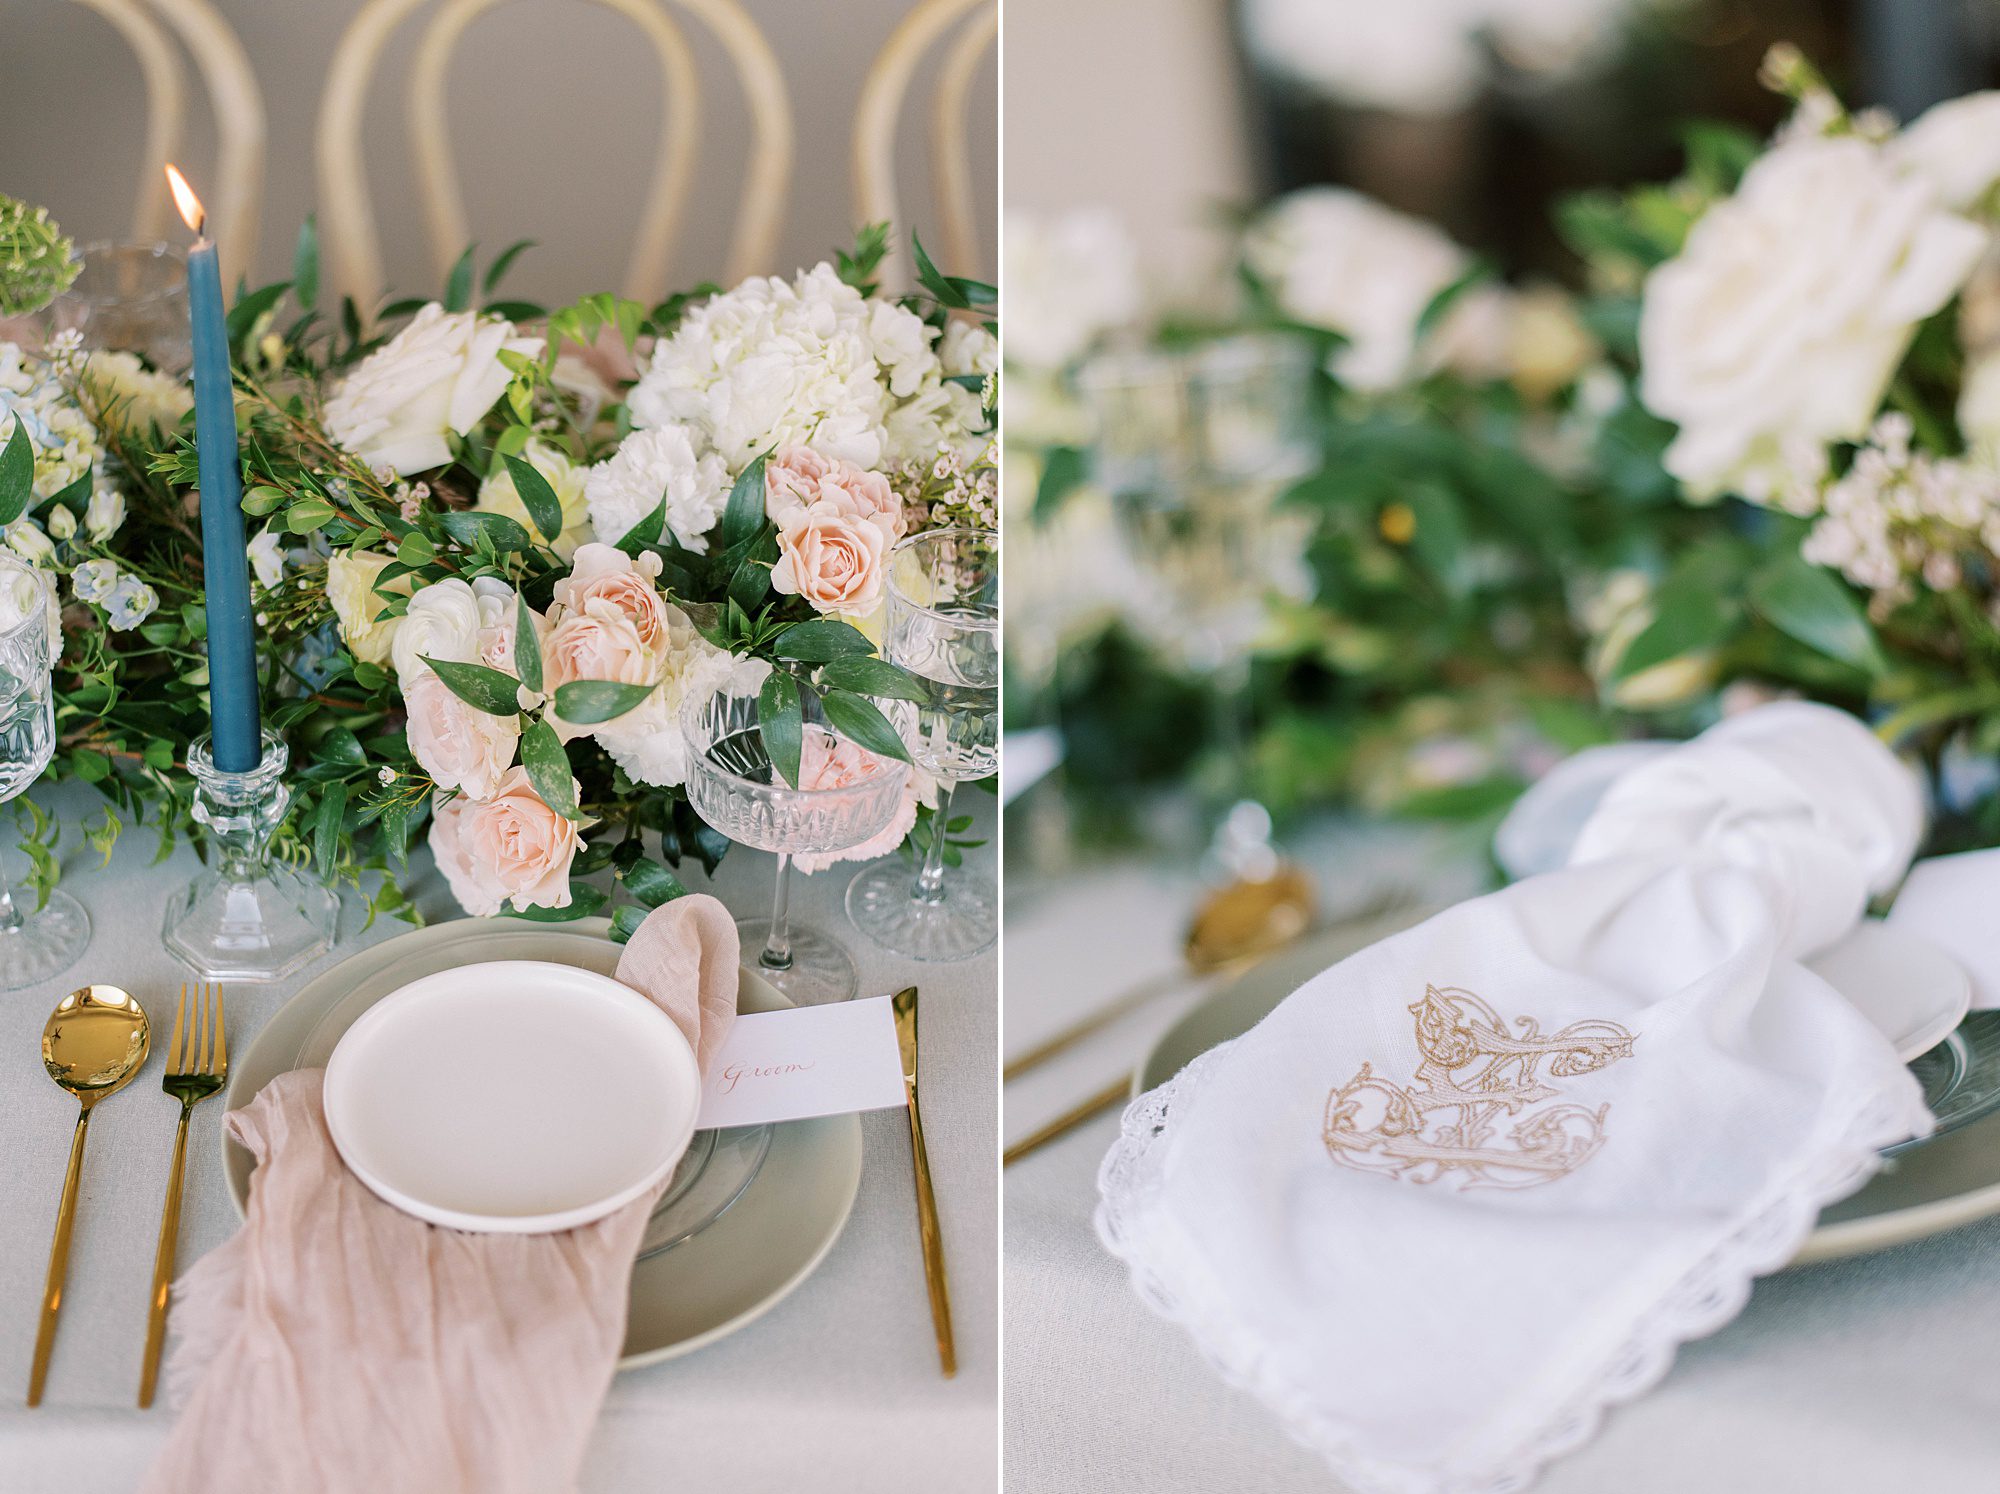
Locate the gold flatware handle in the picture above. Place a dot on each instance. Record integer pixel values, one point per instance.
(1124, 1004)
(163, 1264)
(1068, 1121)
(903, 1005)
(45, 1331)
(933, 1242)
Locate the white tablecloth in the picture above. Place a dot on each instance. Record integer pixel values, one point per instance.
(835, 1390)
(1858, 1377)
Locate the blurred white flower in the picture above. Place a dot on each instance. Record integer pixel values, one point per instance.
(1777, 328)
(1955, 146)
(1068, 282)
(1341, 261)
(134, 394)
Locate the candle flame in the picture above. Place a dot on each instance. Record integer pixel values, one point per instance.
(184, 199)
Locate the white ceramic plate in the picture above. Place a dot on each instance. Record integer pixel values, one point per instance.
(565, 1096)
(719, 1280)
(1926, 1187)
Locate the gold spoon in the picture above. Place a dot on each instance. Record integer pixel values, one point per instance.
(94, 1042)
(1235, 925)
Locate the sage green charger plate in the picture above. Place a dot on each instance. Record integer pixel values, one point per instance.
(1949, 1179)
(750, 1243)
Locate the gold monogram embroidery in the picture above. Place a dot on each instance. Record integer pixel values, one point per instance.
(1475, 1074)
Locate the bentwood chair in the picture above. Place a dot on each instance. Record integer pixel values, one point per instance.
(967, 28)
(235, 197)
(348, 221)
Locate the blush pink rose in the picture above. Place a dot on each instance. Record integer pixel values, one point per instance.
(511, 848)
(606, 574)
(600, 643)
(797, 477)
(832, 557)
(460, 746)
(826, 762)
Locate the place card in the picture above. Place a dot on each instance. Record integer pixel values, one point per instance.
(805, 1061)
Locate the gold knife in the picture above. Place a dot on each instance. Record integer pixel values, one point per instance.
(904, 1005)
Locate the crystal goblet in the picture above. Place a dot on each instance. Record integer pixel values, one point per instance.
(40, 942)
(734, 786)
(943, 628)
(130, 297)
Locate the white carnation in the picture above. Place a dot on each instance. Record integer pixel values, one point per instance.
(1341, 261)
(1778, 327)
(647, 741)
(650, 465)
(1068, 282)
(435, 379)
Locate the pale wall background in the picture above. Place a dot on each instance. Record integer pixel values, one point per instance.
(1128, 105)
(555, 106)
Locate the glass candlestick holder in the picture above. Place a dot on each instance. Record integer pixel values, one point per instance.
(244, 918)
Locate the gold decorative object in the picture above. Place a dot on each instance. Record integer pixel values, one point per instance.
(904, 1005)
(1478, 1073)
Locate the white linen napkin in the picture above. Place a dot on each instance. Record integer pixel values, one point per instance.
(1950, 901)
(1473, 1185)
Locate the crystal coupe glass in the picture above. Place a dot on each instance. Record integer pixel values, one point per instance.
(35, 942)
(734, 786)
(943, 628)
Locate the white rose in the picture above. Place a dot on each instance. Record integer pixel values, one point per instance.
(442, 623)
(104, 515)
(435, 379)
(650, 465)
(1955, 147)
(1067, 282)
(24, 591)
(1338, 260)
(350, 588)
(459, 745)
(497, 495)
(1777, 328)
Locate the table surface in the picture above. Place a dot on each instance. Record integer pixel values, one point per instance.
(1855, 1377)
(836, 1389)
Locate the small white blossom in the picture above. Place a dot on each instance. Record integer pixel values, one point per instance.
(62, 523)
(267, 560)
(92, 581)
(129, 603)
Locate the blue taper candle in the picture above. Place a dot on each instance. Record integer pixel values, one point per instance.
(234, 728)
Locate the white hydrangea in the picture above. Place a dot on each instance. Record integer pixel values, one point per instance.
(647, 466)
(807, 362)
(1068, 282)
(65, 443)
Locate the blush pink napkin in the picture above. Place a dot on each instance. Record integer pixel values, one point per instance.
(338, 1345)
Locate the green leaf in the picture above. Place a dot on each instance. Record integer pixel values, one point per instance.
(1688, 618)
(341, 746)
(856, 718)
(646, 532)
(458, 284)
(505, 263)
(17, 474)
(937, 284)
(483, 689)
(745, 511)
(309, 514)
(821, 639)
(527, 646)
(305, 263)
(537, 497)
(466, 526)
(416, 549)
(326, 829)
(865, 675)
(548, 769)
(1064, 470)
(782, 724)
(625, 922)
(244, 314)
(584, 900)
(1811, 605)
(651, 883)
(588, 702)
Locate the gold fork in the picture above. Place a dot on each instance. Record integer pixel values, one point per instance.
(197, 1064)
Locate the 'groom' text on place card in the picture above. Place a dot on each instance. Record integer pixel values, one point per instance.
(810, 1060)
